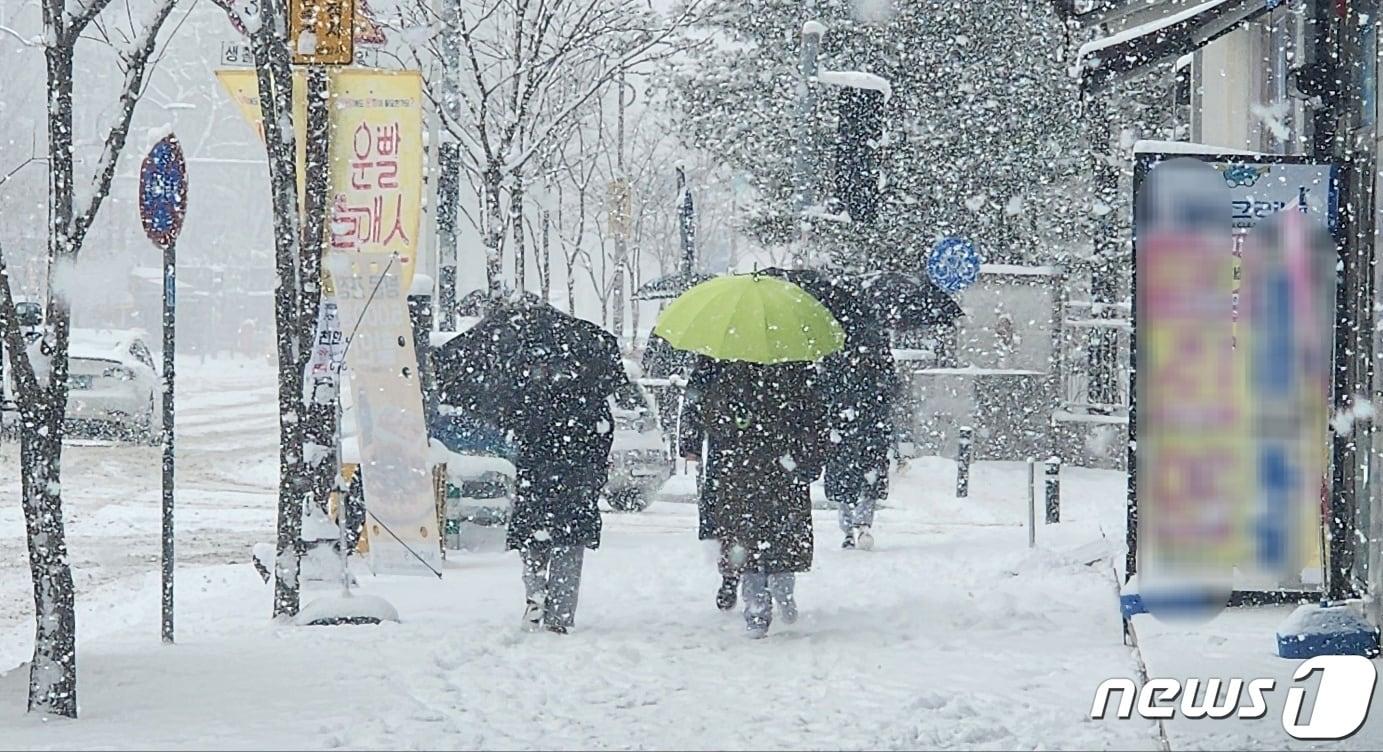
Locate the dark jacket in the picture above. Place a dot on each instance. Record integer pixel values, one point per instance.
(764, 429)
(859, 397)
(562, 441)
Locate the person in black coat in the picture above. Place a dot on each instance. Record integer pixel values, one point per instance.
(859, 393)
(563, 432)
(764, 432)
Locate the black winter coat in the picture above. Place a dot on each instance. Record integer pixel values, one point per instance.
(765, 432)
(563, 459)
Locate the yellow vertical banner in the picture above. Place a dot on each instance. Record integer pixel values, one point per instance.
(242, 84)
(377, 164)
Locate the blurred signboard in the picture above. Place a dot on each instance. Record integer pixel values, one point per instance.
(1231, 388)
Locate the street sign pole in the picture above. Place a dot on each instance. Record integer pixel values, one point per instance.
(162, 206)
(170, 279)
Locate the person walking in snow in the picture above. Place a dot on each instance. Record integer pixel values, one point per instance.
(859, 398)
(764, 429)
(562, 462)
(691, 439)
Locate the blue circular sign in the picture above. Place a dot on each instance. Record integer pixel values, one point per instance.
(953, 264)
(163, 192)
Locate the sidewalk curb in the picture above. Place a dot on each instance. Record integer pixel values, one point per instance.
(1131, 639)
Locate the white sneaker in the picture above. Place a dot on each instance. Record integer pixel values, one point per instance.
(864, 540)
(533, 616)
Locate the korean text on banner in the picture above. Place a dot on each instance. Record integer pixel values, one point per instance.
(377, 164)
(383, 369)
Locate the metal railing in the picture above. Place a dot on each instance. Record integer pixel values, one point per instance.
(1096, 341)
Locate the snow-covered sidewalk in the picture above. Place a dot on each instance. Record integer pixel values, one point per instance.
(945, 636)
(1237, 643)
(952, 633)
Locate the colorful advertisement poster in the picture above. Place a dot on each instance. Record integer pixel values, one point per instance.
(377, 164)
(1231, 437)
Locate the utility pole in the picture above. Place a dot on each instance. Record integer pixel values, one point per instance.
(804, 165)
(449, 165)
(1340, 134)
(621, 199)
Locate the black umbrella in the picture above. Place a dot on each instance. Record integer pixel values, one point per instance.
(666, 288)
(905, 301)
(474, 302)
(862, 371)
(864, 333)
(521, 355)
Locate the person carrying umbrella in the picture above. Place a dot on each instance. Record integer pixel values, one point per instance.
(547, 379)
(757, 411)
(859, 396)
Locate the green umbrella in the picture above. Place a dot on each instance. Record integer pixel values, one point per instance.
(750, 317)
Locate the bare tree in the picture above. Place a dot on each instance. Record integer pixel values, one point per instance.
(527, 70)
(297, 296)
(40, 369)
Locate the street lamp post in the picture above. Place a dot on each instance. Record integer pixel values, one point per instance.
(804, 163)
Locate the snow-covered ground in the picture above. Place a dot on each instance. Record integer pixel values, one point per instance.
(952, 633)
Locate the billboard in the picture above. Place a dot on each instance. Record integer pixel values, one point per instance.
(1234, 261)
(377, 164)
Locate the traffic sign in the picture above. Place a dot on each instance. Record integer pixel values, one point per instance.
(163, 192)
(953, 264)
(322, 31)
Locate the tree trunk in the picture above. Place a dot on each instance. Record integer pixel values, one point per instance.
(546, 264)
(319, 434)
(494, 230)
(53, 672)
(516, 219)
(276, 102)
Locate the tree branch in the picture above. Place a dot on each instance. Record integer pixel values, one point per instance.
(22, 371)
(89, 11)
(115, 139)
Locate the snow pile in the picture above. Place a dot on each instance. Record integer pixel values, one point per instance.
(346, 609)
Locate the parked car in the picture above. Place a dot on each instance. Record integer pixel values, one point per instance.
(480, 469)
(113, 385)
(639, 458)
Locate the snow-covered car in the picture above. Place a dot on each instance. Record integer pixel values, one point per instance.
(480, 469)
(113, 385)
(639, 459)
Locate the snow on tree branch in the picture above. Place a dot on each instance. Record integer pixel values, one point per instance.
(82, 13)
(137, 60)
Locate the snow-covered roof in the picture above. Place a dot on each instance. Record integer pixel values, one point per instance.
(856, 80)
(1186, 147)
(1163, 39)
(1015, 270)
(1142, 30)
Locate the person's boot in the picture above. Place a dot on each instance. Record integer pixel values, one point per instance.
(864, 539)
(787, 609)
(728, 593)
(533, 615)
(849, 541)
